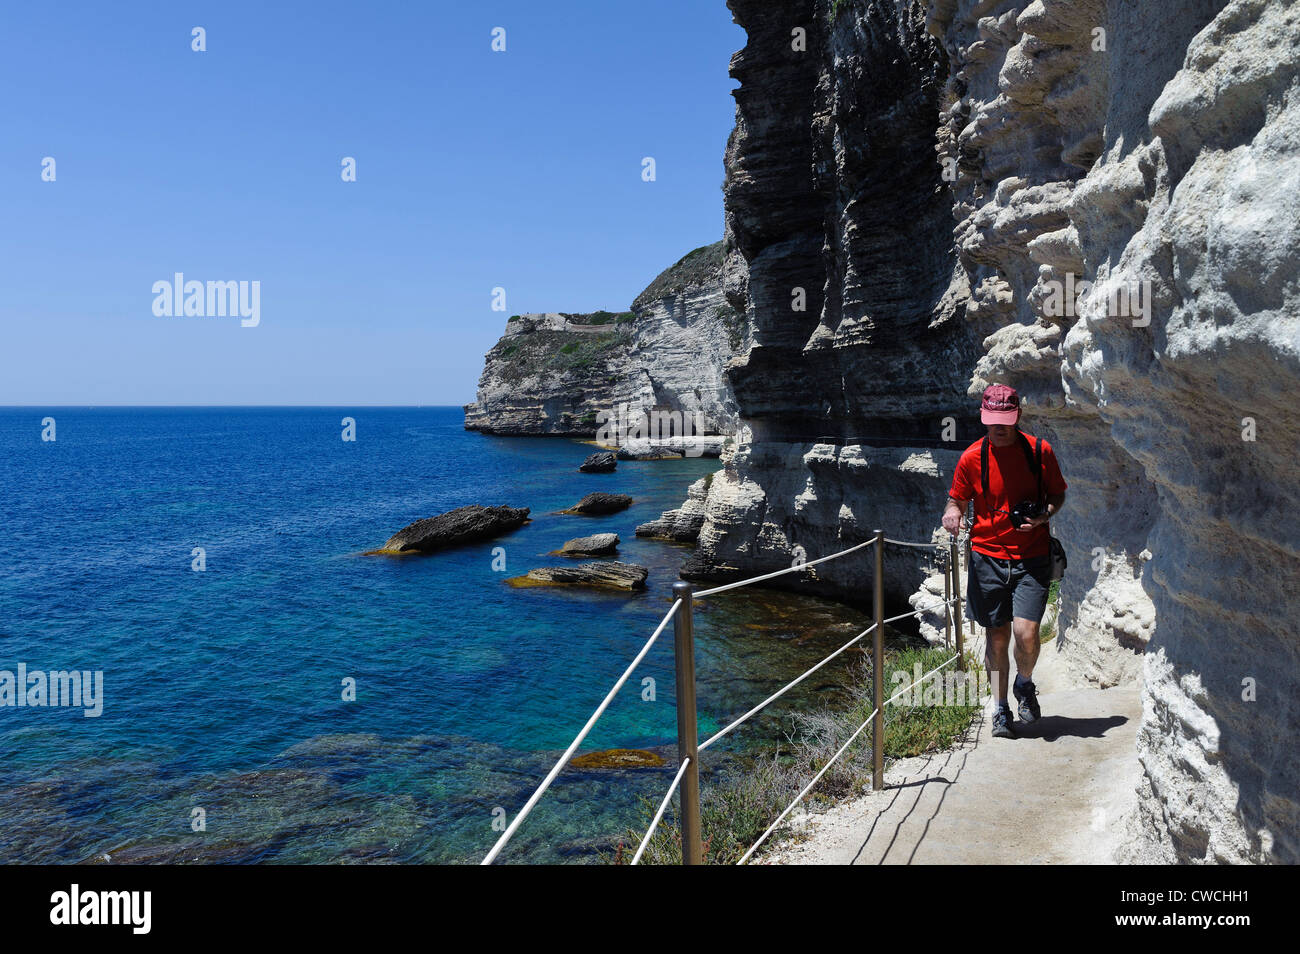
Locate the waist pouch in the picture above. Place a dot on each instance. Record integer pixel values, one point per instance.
(1059, 562)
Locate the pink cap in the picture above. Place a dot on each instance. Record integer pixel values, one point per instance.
(1001, 405)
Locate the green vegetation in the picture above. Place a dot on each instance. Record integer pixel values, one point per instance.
(558, 352)
(736, 809)
(838, 7)
(693, 268)
(734, 322)
(733, 814)
(600, 317)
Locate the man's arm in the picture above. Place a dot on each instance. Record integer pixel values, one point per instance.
(959, 494)
(952, 515)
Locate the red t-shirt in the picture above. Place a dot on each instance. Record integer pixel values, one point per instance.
(1010, 481)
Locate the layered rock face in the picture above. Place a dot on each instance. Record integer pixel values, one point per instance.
(556, 374)
(1154, 153)
(1110, 227)
(682, 524)
(551, 374)
(840, 253)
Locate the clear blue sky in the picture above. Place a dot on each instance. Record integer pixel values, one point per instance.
(474, 169)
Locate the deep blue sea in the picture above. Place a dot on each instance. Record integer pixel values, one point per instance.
(223, 689)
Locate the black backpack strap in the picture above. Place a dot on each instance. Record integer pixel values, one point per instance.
(1038, 469)
(984, 468)
(1034, 458)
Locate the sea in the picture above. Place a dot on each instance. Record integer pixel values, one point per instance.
(268, 693)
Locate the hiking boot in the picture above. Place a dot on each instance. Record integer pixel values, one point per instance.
(1002, 719)
(1027, 693)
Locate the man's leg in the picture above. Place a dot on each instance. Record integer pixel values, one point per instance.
(1027, 646)
(1028, 605)
(996, 661)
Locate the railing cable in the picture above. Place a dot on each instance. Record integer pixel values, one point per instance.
(686, 762)
(803, 566)
(783, 690)
(791, 569)
(660, 814)
(807, 788)
(921, 546)
(568, 753)
(790, 685)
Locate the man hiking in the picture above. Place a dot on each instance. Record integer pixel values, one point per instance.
(1017, 487)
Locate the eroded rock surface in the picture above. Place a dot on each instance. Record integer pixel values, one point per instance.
(462, 525)
(681, 525)
(597, 504)
(609, 574)
(1154, 152)
(598, 544)
(603, 463)
(852, 393)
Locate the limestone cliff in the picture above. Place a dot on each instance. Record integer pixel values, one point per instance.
(554, 373)
(840, 253)
(1111, 227)
(1154, 152)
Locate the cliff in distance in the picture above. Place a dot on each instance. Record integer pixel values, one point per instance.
(554, 373)
(1098, 203)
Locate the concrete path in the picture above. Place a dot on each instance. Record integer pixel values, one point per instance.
(1058, 794)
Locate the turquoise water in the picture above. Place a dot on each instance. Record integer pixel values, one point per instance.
(223, 688)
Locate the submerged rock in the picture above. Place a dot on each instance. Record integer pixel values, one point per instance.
(462, 525)
(598, 544)
(595, 504)
(617, 758)
(608, 574)
(602, 463)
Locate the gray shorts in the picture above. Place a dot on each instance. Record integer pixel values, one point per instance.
(997, 590)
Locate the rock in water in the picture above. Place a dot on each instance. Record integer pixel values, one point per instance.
(597, 503)
(618, 759)
(683, 524)
(462, 525)
(598, 544)
(603, 463)
(610, 574)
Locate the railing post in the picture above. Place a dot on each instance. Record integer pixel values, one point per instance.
(878, 671)
(687, 725)
(955, 570)
(947, 602)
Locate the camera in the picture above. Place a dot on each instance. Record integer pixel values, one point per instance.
(1025, 510)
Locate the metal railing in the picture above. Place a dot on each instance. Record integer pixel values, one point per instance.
(687, 779)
